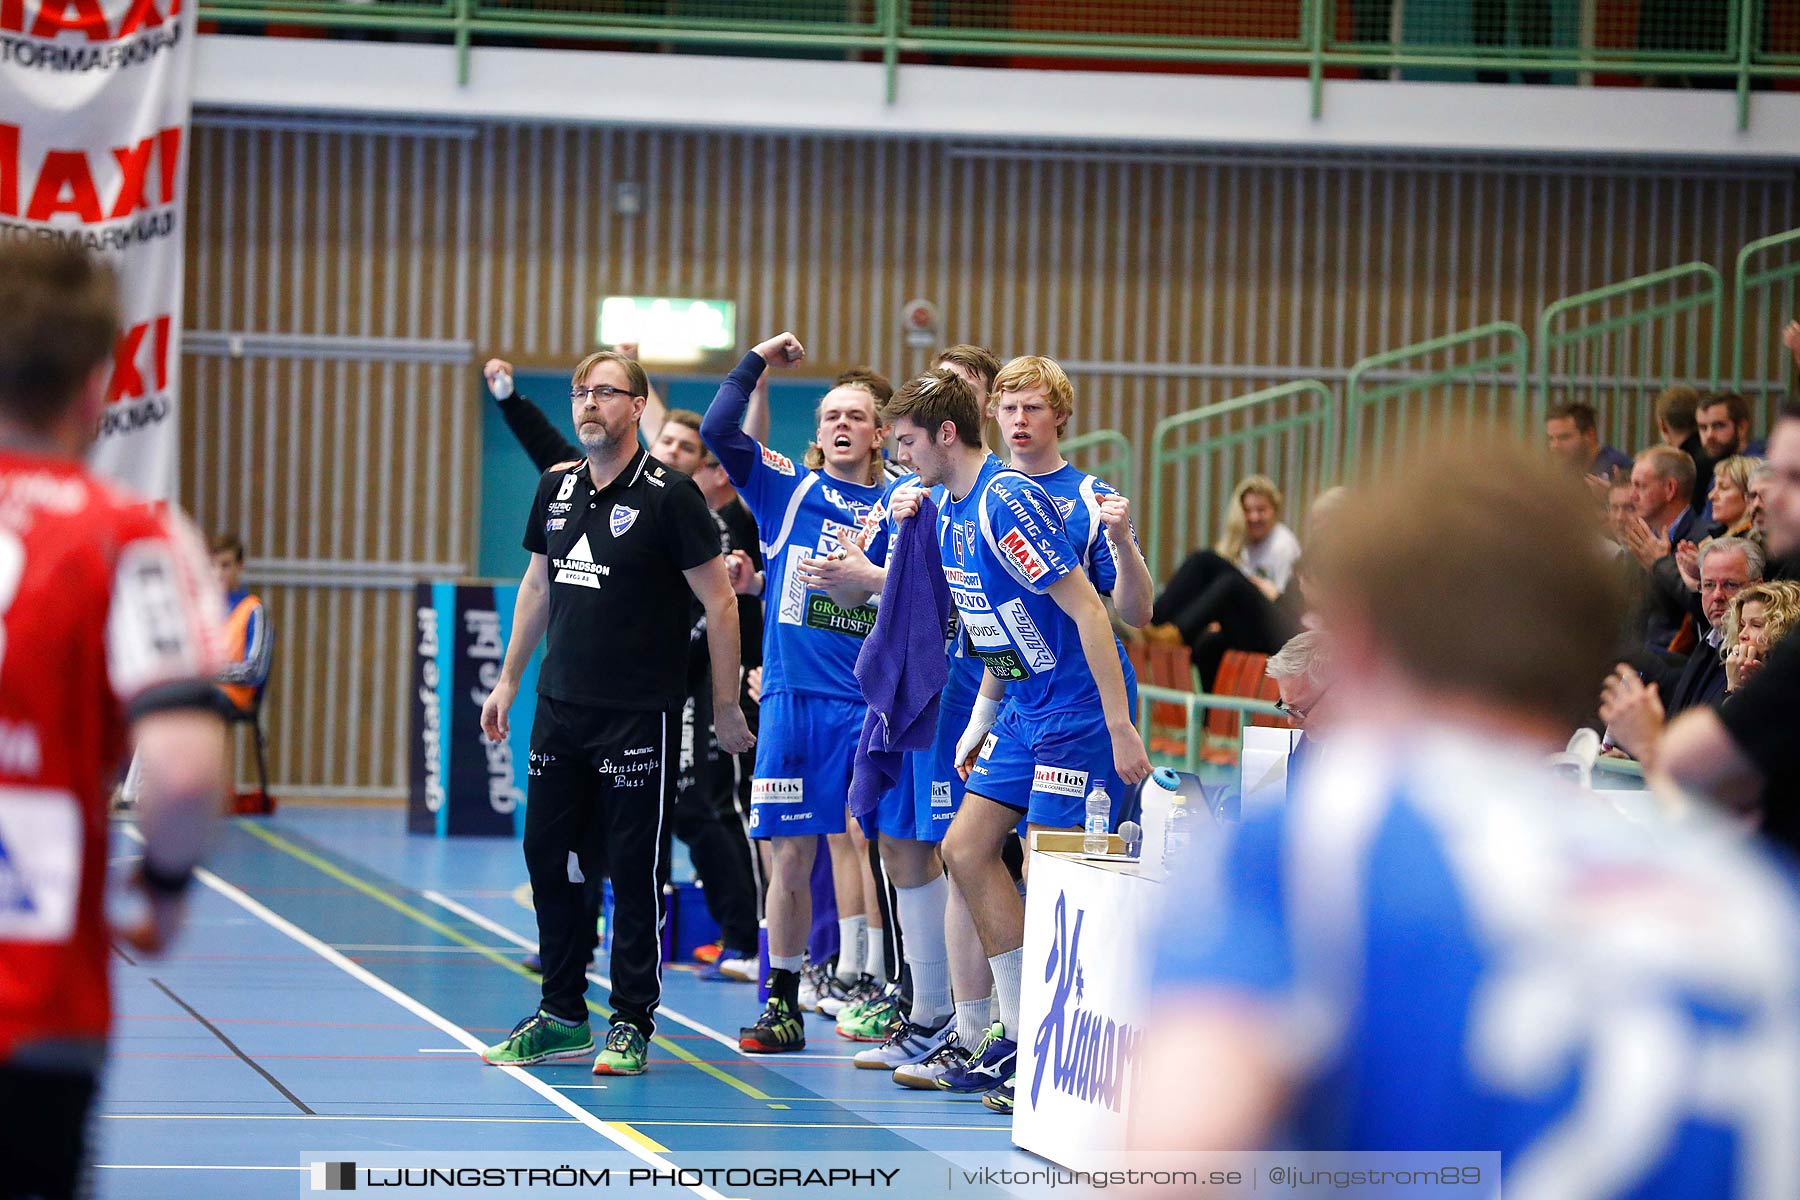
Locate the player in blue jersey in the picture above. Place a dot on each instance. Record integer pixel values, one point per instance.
(1033, 617)
(810, 698)
(1437, 944)
(948, 969)
(1032, 402)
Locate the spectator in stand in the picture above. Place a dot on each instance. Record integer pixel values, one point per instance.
(1729, 499)
(1723, 423)
(1746, 756)
(1756, 513)
(1632, 709)
(1677, 576)
(1574, 437)
(1225, 598)
(1760, 616)
(1438, 944)
(1676, 421)
(1662, 481)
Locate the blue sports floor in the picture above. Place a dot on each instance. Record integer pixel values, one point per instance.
(332, 990)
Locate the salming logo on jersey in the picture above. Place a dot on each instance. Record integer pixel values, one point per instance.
(1014, 549)
(579, 568)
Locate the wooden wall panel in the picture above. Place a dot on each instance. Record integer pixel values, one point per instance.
(369, 272)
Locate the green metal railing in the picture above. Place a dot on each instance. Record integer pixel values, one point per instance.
(1732, 42)
(1194, 706)
(1762, 302)
(1455, 384)
(1106, 453)
(1615, 347)
(1196, 459)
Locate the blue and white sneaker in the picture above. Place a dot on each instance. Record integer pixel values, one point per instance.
(988, 1067)
(908, 1043)
(923, 1075)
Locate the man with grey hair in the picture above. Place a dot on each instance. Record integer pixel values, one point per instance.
(1662, 480)
(1632, 710)
(1301, 670)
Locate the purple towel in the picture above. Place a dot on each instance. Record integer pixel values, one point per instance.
(902, 667)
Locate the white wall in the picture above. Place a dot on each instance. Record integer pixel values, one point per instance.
(385, 79)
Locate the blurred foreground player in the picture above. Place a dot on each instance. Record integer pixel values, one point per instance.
(108, 623)
(1438, 946)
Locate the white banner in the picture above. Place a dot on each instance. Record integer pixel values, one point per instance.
(94, 104)
(1081, 1010)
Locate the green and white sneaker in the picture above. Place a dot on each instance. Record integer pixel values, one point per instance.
(539, 1038)
(870, 1021)
(832, 1003)
(624, 1052)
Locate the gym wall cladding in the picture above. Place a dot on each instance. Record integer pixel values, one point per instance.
(368, 274)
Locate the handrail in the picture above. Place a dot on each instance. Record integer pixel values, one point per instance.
(1194, 703)
(1302, 36)
(1552, 340)
(1118, 468)
(1361, 393)
(1743, 279)
(1324, 465)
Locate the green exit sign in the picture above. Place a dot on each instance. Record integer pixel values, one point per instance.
(670, 329)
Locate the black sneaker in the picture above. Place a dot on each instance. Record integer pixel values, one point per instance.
(778, 1029)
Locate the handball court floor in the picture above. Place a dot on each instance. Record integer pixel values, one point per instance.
(332, 990)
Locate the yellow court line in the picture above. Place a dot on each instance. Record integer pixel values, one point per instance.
(404, 909)
(643, 1139)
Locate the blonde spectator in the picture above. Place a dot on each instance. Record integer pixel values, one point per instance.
(1759, 617)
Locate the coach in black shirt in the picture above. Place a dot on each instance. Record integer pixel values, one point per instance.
(618, 543)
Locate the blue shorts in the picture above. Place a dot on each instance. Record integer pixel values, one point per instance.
(804, 748)
(1045, 767)
(919, 807)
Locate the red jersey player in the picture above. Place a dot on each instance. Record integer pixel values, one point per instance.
(108, 628)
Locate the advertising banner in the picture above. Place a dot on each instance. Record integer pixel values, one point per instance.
(94, 106)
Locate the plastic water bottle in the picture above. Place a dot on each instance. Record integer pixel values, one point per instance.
(1155, 799)
(1099, 821)
(1177, 832)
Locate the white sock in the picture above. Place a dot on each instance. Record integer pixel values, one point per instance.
(786, 962)
(875, 957)
(971, 1020)
(1007, 969)
(853, 936)
(921, 913)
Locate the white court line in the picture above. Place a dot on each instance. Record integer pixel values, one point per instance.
(492, 926)
(361, 948)
(187, 1167)
(282, 925)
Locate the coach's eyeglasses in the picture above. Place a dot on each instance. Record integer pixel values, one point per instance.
(601, 393)
(1299, 714)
